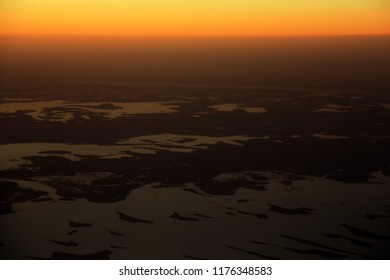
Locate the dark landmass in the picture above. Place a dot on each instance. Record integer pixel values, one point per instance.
(126, 218)
(79, 225)
(183, 218)
(269, 149)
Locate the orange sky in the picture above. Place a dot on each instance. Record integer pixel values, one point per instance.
(194, 17)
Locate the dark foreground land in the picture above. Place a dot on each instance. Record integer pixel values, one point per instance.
(171, 172)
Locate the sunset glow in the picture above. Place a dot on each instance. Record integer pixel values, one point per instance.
(194, 17)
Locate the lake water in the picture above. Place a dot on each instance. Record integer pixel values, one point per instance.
(194, 148)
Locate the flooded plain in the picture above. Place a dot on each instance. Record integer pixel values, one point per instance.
(168, 172)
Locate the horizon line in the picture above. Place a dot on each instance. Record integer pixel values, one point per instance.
(92, 35)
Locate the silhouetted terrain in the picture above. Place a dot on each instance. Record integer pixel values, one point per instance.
(245, 149)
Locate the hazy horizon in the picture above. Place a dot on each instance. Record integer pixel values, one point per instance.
(240, 61)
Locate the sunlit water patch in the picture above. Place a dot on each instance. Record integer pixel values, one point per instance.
(333, 108)
(63, 111)
(13, 155)
(175, 223)
(329, 136)
(230, 107)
